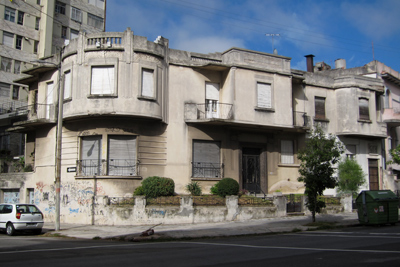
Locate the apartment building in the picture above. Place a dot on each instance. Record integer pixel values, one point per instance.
(32, 30)
(133, 108)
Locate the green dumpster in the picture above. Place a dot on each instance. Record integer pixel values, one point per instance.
(377, 207)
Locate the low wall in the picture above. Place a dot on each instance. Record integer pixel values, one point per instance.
(186, 212)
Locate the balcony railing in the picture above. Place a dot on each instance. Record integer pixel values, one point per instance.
(207, 170)
(111, 167)
(106, 41)
(208, 111)
(41, 111)
(300, 119)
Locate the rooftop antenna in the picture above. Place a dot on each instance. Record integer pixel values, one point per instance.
(272, 36)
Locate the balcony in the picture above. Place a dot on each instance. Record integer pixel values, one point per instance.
(391, 116)
(208, 112)
(13, 109)
(111, 167)
(206, 170)
(301, 120)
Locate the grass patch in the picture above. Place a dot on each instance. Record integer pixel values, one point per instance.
(49, 234)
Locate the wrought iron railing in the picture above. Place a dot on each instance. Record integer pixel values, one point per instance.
(208, 111)
(207, 170)
(121, 167)
(89, 167)
(300, 119)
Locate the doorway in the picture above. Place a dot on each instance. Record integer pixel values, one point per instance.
(251, 169)
(373, 174)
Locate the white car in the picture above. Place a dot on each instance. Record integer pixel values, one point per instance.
(20, 217)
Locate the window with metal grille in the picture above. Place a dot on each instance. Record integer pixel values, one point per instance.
(363, 108)
(206, 159)
(319, 107)
(121, 155)
(90, 160)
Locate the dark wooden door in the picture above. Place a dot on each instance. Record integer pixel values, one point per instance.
(373, 174)
(251, 169)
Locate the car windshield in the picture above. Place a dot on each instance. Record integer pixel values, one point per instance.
(27, 209)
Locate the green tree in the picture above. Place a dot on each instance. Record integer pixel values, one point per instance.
(395, 153)
(316, 169)
(351, 177)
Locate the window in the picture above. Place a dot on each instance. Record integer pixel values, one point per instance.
(90, 162)
(20, 18)
(351, 151)
(18, 42)
(15, 93)
(212, 100)
(95, 21)
(148, 83)
(60, 8)
(76, 14)
(8, 39)
(320, 108)
(64, 32)
(49, 100)
(102, 80)
(5, 142)
(67, 84)
(6, 64)
(38, 2)
(98, 3)
(264, 95)
(74, 34)
(287, 156)
(37, 23)
(35, 47)
(17, 67)
(4, 90)
(363, 108)
(122, 155)
(206, 159)
(9, 14)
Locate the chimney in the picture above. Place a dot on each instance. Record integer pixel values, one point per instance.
(310, 63)
(340, 63)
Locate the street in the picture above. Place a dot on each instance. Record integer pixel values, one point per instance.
(355, 246)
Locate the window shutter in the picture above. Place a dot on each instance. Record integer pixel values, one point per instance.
(8, 39)
(4, 89)
(208, 152)
(67, 85)
(91, 148)
(320, 108)
(102, 80)
(212, 91)
(287, 152)
(264, 95)
(122, 155)
(364, 109)
(147, 82)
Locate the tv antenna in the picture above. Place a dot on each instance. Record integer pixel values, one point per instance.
(272, 37)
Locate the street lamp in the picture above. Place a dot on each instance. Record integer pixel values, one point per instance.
(58, 139)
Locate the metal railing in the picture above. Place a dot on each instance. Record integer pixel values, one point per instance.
(41, 111)
(121, 167)
(207, 170)
(300, 119)
(89, 167)
(208, 111)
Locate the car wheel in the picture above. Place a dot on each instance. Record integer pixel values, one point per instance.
(10, 229)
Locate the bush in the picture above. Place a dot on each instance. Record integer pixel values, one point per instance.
(156, 186)
(194, 188)
(227, 187)
(138, 191)
(351, 177)
(214, 189)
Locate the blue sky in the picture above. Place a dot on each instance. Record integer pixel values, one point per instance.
(355, 30)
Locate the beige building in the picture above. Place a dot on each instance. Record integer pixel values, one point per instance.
(32, 30)
(133, 108)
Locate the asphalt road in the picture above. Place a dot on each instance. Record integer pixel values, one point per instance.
(356, 246)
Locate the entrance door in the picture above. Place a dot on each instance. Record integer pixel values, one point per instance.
(373, 174)
(251, 169)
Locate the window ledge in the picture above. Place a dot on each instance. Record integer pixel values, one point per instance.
(364, 121)
(321, 119)
(102, 96)
(206, 179)
(108, 177)
(147, 98)
(264, 109)
(289, 165)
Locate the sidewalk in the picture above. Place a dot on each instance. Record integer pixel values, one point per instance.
(176, 231)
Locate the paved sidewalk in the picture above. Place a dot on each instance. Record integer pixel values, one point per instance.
(198, 230)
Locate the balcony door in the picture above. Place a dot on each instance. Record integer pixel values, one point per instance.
(49, 99)
(212, 100)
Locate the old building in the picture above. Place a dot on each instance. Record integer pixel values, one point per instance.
(133, 108)
(32, 30)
